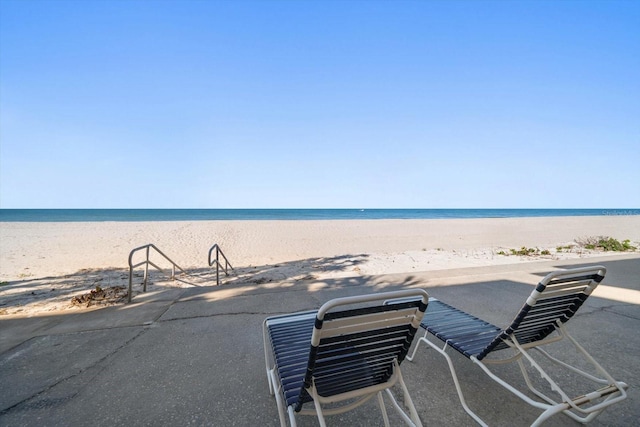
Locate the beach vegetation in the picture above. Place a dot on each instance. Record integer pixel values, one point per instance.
(4, 283)
(525, 251)
(599, 243)
(607, 244)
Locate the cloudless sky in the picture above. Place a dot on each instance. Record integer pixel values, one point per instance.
(319, 104)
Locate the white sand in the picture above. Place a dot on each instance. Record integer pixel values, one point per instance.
(71, 258)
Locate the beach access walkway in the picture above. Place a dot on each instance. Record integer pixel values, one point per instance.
(194, 356)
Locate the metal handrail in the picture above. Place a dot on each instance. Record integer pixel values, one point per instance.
(216, 261)
(146, 263)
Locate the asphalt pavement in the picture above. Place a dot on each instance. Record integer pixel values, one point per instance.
(195, 356)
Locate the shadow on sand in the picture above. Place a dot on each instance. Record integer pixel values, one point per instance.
(55, 293)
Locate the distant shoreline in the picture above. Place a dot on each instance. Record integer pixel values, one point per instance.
(155, 215)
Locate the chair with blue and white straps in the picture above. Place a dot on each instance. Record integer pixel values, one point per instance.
(540, 321)
(342, 355)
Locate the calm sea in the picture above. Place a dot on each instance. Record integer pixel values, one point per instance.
(80, 215)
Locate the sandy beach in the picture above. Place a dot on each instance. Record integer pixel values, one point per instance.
(43, 265)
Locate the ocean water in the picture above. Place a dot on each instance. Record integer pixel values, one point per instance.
(84, 215)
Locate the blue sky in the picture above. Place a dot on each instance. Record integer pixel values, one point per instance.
(319, 104)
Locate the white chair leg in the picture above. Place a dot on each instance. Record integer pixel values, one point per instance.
(292, 417)
(383, 409)
(316, 402)
(279, 402)
(413, 353)
(407, 400)
(397, 407)
(266, 356)
(271, 391)
(548, 414)
(463, 402)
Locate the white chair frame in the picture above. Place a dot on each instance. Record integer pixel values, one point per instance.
(612, 390)
(555, 285)
(357, 397)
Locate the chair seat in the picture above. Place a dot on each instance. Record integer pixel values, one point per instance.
(290, 340)
(465, 333)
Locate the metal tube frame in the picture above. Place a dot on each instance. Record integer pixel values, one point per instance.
(614, 391)
(146, 264)
(217, 263)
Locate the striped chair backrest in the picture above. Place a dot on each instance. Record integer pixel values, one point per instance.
(353, 349)
(556, 299)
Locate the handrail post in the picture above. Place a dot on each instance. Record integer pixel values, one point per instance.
(130, 281)
(217, 266)
(146, 271)
(217, 262)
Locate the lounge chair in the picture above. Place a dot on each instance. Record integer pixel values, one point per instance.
(347, 356)
(540, 321)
